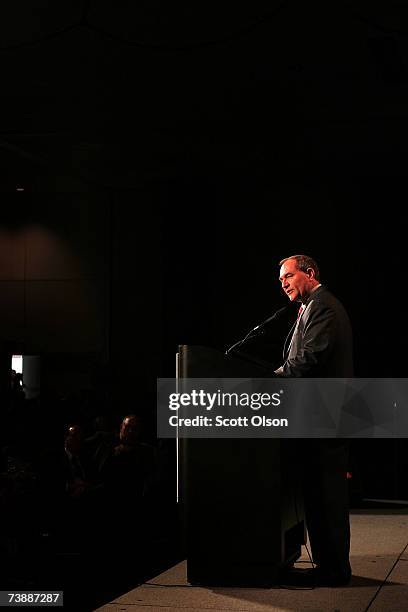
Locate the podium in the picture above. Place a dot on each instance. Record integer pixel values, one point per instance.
(243, 509)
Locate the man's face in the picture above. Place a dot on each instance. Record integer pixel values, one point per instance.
(295, 283)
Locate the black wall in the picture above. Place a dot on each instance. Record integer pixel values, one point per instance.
(171, 158)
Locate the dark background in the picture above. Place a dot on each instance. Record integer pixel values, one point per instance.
(158, 160)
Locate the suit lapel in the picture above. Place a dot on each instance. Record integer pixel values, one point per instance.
(289, 337)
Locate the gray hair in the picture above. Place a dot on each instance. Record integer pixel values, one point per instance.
(303, 262)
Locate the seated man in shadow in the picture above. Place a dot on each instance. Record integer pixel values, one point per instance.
(129, 485)
(130, 472)
(76, 479)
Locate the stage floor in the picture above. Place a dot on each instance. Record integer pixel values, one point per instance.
(379, 559)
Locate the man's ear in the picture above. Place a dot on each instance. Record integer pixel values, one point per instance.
(311, 273)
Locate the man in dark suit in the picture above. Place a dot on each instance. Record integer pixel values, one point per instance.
(320, 345)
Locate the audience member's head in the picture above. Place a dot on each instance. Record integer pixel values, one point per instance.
(73, 439)
(130, 430)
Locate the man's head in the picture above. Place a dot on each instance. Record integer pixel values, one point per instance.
(130, 430)
(299, 275)
(73, 439)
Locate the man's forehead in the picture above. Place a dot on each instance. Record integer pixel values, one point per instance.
(131, 421)
(289, 265)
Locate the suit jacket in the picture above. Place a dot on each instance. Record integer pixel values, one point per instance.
(321, 343)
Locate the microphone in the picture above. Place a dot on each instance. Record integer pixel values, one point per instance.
(276, 315)
(257, 330)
